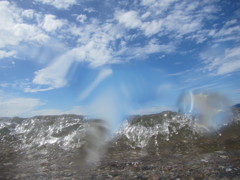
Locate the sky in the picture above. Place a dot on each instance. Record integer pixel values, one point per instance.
(112, 58)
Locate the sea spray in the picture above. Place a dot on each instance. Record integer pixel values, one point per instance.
(212, 110)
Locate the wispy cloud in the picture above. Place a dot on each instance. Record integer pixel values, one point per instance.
(60, 4)
(229, 31)
(11, 106)
(180, 73)
(5, 54)
(17, 106)
(101, 76)
(54, 75)
(221, 61)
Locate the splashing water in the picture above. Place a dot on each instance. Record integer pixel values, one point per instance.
(158, 128)
(211, 109)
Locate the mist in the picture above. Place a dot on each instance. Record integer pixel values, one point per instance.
(211, 109)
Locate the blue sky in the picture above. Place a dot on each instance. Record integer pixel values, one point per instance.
(111, 58)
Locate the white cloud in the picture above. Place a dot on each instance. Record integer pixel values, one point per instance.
(145, 15)
(17, 106)
(228, 32)
(29, 13)
(95, 52)
(182, 19)
(98, 47)
(232, 53)
(101, 42)
(60, 4)
(81, 18)
(129, 19)
(14, 30)
(101, 76)
(152, 27)
(54, 75)
(145, 50)
(5, 85)
(38, 89)
(229, 67)
(51, 23)
(180, 73)
(220, 61)
(5, 54)
(158, 7)
(27, 107)
(148, 2)
(181, 23)
(89, 10)
(97, 43)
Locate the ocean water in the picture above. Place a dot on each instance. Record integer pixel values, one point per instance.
(74, 147)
